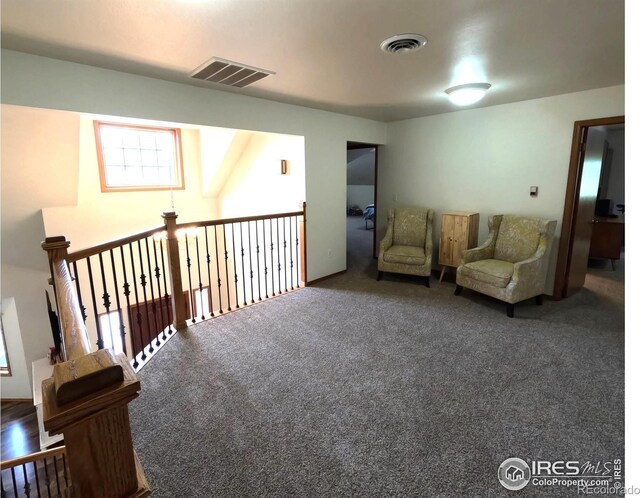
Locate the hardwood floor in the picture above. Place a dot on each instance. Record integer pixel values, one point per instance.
(19, 433)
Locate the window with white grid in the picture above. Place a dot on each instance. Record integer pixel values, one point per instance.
(135, 157)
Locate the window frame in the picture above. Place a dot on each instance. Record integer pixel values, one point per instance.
(4, 372)
(179, 173)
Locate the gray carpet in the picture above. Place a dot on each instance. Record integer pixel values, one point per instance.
(361, 388)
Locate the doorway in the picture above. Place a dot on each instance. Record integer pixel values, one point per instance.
(593, 221)
(362, 177)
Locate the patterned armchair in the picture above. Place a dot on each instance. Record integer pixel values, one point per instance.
(408, 243)
(512, 264)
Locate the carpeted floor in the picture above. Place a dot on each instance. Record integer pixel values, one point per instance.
(361, 388)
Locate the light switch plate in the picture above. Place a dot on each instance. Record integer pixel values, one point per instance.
(533, 191)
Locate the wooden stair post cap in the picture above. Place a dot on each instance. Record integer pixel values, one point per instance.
(74, 379)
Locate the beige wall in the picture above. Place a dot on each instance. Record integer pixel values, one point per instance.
(486, 159)
(88, 89)
(256, 186)
(39, 170)
(98, 216)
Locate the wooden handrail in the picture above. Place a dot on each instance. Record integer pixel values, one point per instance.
(225, 221)
(75, 338)
(32, 457)
(112, 244)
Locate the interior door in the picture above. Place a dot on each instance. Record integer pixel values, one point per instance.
(586, 206)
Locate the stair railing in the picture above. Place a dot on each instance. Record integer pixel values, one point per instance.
(87, 398)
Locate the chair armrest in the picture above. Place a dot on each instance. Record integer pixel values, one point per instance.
(428, 241)
(532, 268)
(387, 240)
(486, 250)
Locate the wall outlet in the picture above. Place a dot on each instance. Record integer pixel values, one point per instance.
(395, 197)
(329, 252)
(533, 191)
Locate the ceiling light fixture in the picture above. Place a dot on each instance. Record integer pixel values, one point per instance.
(467, 94)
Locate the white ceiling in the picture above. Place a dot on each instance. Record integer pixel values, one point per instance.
(326, 52)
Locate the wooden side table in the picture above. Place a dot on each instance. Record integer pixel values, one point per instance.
(459, 232)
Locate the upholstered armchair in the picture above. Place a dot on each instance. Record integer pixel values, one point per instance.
(407, 246)
(512, 264)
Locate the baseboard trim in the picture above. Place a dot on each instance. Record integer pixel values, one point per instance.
(326, 277)
(17, 400)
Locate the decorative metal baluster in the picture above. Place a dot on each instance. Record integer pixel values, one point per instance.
(55, 468)
(47, 481)
(226, 265)
(250, 263)
(235, 270)
(105, 297)
(273, 272)
(215, 241)
(210, 293)
(115, 286)
(257, 264)
(244, 288)
(100, 342)
(278, 249)
(37, 479)
(15, 484)
(284, 253)
(127, 291)
(264, 245)
(297, 256)
(82, 307)
(157, 272)
(64, 464)
(193, 311)
(291, 253)
(199, 277)
(143, 281)
(143, 356)
(27, 484)
(167, 297)
(154, 311)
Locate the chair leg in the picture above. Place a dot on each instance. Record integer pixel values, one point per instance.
(539, 299)
(510, 307)
(426, 281)
(380, 273)
(458, 290)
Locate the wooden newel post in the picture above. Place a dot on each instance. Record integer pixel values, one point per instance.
(178, 304)
(86, 400)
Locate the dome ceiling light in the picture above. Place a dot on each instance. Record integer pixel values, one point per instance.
(467, 94)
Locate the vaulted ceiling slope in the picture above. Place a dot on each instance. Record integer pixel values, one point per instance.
(326, 53)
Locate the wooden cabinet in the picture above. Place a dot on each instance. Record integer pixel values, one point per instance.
(607, 239)
(459, 232)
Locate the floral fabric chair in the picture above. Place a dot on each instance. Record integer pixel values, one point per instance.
(512, 264)
(408, 244)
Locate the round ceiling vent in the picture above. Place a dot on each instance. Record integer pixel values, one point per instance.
(400, 44)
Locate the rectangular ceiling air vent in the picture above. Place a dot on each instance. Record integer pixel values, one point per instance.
(229, 73)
